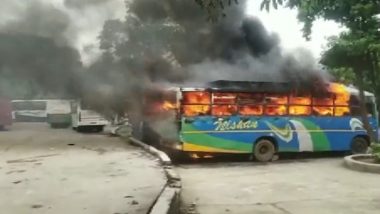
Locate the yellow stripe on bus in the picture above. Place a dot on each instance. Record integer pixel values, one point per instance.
(261, 131)
(188, 147)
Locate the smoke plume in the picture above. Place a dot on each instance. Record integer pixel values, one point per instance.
(107, 52)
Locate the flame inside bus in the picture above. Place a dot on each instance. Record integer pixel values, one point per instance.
(334, 102)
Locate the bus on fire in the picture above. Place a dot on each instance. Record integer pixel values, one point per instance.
(262, 119)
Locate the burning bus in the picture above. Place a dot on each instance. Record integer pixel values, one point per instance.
(258, 118)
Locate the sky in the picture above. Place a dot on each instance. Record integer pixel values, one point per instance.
(283, 21)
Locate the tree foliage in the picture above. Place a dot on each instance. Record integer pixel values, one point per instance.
(356, 15)
(215, 8)
(356, 50)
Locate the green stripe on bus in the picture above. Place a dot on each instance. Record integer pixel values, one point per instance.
(215, 142)
(320, 141)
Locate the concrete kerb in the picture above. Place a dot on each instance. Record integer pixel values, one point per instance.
(353, 162)
(168, 201)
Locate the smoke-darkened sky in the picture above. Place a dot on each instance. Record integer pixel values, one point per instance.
(76, 23)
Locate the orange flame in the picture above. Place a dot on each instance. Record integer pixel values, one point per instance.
(224, 110)
(342, 111)
(195, 110)
(300, 100)
(342, 96)
(224, 98)
(277, 99)
(167, 105)
(325, 111)
(299, 110)
(251, 110)
(196, 97)
(276, 110)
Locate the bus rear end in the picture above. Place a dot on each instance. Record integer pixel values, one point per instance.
(5, 113)
(160, 123)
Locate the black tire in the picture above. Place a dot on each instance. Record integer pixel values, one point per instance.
(99, 128)
(264, 150)
(359, 145)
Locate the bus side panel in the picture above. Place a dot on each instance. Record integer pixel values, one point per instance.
(297, 134)
(234, 134)
(340, 131)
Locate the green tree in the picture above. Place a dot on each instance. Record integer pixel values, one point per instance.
(358, 49)
(215, 8)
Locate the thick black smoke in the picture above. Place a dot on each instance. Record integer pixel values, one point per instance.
(44, 43)
(235, 46)
(172, 41)
(166, 41)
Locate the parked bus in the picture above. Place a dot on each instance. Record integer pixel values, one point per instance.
(85, 119)
(5, 113)
(29, 110)
(59, 113)
(261, 119)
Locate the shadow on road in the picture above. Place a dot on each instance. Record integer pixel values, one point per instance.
(283, 158)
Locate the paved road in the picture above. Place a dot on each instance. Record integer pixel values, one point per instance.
(45, 170)
(289, 187)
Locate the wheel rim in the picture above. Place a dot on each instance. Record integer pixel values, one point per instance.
(359, 147)
(264, 151)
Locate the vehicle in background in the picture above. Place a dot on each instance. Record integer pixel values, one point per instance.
(261, 119)
(29, 110)
(59, 113)
(85, 119)
(5, 113)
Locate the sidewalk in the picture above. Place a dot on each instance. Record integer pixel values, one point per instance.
(56, 171)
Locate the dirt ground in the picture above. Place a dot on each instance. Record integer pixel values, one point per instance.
(56, 171)
(312, 186)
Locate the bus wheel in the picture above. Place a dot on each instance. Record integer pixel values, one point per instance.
(359, 145)
(264, 150)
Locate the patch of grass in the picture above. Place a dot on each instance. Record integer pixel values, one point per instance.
(376, 151)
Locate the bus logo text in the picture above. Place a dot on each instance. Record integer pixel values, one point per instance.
(222, 125)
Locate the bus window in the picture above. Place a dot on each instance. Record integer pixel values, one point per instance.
(196, 97)
(300, 99)
(251, 110)
(276, 99)
(342, 100)
(370, 108)
(250, 98)
(223, 110)
(276, 110)
(324, 100)
(323, 110)
(341, 111)
(195, 110)
(355, 110)
(224, 98)
(354, 100)
(300, 110)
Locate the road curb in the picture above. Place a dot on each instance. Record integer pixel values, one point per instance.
(168, 201)
(353, 162)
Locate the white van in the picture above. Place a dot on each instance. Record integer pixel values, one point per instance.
(85, 119)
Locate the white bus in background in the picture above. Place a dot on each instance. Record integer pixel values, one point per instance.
(59, 113)
(83, 118)
(29, 110)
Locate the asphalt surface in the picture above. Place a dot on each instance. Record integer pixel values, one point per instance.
(312, 186)
(58, 171)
